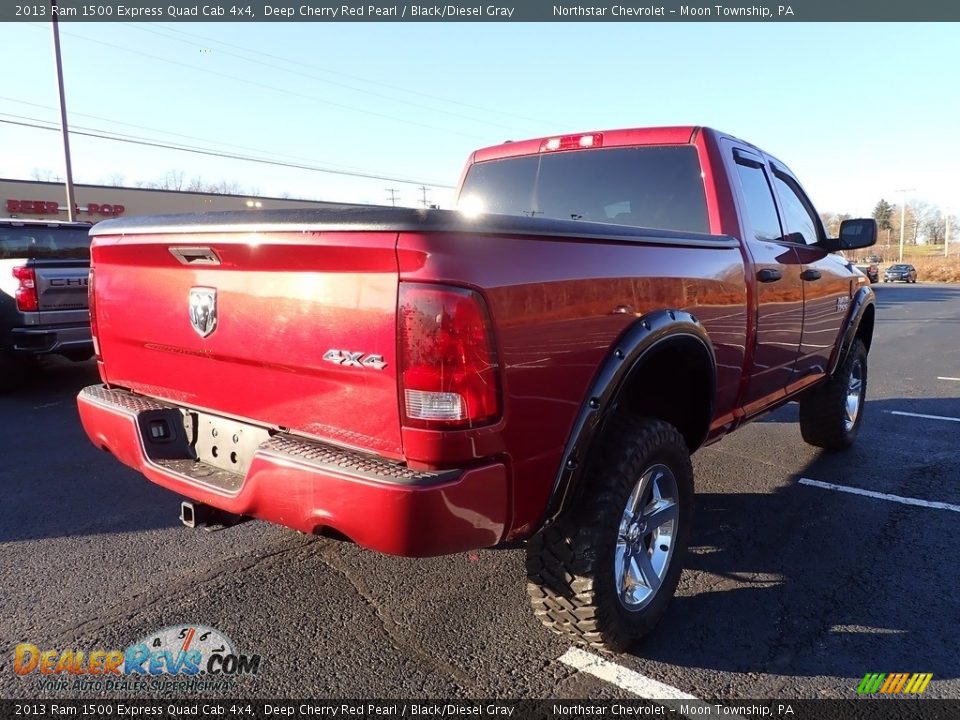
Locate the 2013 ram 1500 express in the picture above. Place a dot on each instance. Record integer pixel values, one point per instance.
(536, 366)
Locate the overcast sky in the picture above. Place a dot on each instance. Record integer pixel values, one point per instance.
(858, 111)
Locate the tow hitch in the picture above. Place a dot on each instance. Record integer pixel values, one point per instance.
(210, 518)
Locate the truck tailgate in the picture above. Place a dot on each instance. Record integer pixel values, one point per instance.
(267, 309)
(62, 285)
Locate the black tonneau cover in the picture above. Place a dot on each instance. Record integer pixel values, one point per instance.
(388, 219)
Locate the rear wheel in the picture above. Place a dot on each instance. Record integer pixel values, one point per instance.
(604, 573)
(831, 413)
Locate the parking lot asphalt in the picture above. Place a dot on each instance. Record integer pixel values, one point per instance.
(792, 589)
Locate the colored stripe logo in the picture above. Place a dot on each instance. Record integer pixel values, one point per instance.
(894, 683)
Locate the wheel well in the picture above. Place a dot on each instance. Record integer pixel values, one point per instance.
(865, 329)
(674, 382)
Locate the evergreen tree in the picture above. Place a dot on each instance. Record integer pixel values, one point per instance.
(883, 214)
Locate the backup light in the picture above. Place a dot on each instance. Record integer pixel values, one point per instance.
(433, 405)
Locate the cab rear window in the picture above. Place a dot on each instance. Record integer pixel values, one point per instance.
(658, 187)
(44, 243)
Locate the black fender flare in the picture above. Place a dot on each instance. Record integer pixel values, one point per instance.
(626, 355)
(865, 297)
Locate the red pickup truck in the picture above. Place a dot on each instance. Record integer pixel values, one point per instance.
(537, 365)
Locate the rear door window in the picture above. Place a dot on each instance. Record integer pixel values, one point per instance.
(658, 187)
(44, 243)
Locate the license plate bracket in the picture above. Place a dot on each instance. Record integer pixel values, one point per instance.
(225, 444)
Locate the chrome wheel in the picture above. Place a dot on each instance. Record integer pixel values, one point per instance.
(645, 538)
(854, 396)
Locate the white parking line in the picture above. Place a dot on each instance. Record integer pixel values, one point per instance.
(949, 378)
(928, 417)
(881, 496)
(624, 678)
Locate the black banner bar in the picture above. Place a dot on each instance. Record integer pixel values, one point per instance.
(891, 708)
(496, 11)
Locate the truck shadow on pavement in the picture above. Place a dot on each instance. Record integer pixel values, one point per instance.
(55, 483)
(806, 581)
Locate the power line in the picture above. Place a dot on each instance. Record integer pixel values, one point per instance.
(158, 130)
(311, 76)
(339, 73)
(393, 196)
(197, 68)
(117, 137)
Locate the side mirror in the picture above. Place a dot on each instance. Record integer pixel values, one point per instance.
(858, 233)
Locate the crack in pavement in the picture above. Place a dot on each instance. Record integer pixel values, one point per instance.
(393, 629)
(107, 616)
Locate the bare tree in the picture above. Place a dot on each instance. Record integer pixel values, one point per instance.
(223, 187)
(918, 212)
(831, 221)
(826, 218)
(45, 175)
(172, 180)
(115, 180)
(935, 227)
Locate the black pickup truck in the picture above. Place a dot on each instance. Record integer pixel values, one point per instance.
(44, 267)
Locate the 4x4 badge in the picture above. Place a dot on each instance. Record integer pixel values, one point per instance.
(203, 310)
(354, 359)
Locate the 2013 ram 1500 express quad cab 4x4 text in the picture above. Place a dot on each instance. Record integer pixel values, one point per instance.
(536, 366)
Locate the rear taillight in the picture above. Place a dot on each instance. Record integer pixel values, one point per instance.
(449, 374)
(27, 300)
(92, 305)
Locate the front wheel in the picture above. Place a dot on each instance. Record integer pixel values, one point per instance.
(605, 572)
(831, 413)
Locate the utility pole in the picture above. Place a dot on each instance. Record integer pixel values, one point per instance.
(423, 191)
(63, 109)
(903, 216)
(903, 213)
(393, 196)
(946, 234)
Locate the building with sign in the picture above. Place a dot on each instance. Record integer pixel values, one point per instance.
(47, 201)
